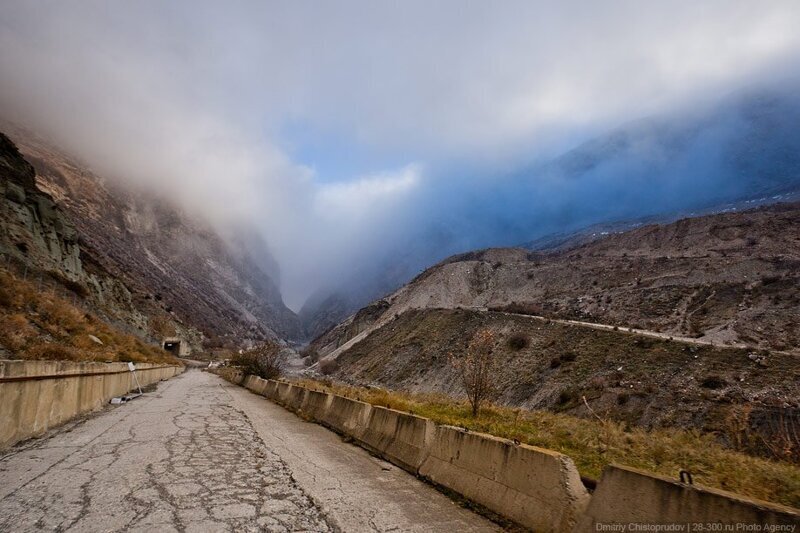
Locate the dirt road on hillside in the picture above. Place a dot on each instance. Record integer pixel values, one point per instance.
(633, 331)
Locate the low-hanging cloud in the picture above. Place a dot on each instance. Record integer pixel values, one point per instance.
(463, 101)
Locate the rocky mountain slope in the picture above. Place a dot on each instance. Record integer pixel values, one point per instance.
(549, 365)
(726, 287)
(729, 278)
(744, 147)
(143, 262)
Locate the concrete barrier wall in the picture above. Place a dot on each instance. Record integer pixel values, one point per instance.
(282, 392)
(628, 496)
(271, 390)
(255, 384)
(316, 404)
(44, 394)
(294, 398)
(536, 488)
(249, 383)
(346, 416)
(400, 437)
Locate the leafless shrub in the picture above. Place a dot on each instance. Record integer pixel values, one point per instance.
(518, 341)
(265, 361)
(478, 369)
(778, 437)
(737, 428)
(782, 437)
(605, 438)
(328, 366)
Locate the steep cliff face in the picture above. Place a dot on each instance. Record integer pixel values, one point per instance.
(145, 263)
(323, 311)
(40, 241)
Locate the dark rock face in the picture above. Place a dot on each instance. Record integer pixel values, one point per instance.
(320, 313)
(13, 167)
(33, 227)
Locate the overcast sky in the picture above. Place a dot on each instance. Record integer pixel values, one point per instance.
(329, 125)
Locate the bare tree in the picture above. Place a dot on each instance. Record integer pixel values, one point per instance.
(477, 369)
(265, 360)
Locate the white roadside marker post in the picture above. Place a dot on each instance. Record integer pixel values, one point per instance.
(122, 399)
(132, 368)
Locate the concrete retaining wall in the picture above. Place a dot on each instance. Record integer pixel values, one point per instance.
(536, 488)
(38, 395)
(628, 496)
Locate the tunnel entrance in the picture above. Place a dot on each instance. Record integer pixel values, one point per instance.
(173, 346)
(176, 346)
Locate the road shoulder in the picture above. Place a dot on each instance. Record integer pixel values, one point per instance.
(358, 492)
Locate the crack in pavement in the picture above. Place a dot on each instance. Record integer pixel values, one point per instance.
(358, 492)
(183, 460)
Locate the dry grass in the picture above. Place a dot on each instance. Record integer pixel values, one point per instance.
(592, 444)
(633, 380)
(40, 325)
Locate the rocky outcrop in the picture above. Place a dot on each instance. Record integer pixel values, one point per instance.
(39, 237)
(322, 311)
(32, 227)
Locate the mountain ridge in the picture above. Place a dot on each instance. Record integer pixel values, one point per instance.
(709, 158)
(743, 255)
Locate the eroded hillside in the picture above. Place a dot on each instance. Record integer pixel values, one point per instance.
(717, 297)
(732, 279)
(548, 365)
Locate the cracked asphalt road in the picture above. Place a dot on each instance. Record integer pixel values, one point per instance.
(200, 454)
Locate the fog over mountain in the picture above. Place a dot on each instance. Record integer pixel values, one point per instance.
(365, 141)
